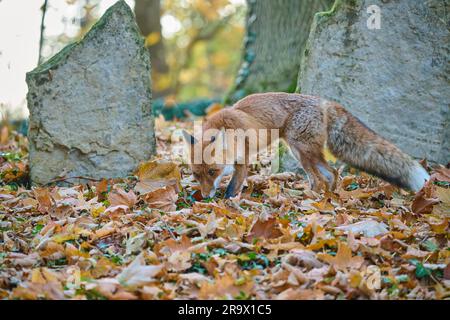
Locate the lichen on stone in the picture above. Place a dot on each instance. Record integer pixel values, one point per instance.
(90, 104)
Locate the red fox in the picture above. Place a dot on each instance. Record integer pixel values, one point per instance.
(306, 123)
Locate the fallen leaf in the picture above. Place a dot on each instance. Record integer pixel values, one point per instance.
(179, 261)
(118, 197)
(300, 294)
(136, 243)
(447, 272)
(424, 201)
(137, 273)
(343, 260)
(224, 287)
(23, 260)
(415, 253)
(324, 205)
(264, 229)
(163, 199)
(303, 258)
(368, 228)
(155, 175)
(44, 198)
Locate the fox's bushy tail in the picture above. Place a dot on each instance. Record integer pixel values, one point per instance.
(351, 141)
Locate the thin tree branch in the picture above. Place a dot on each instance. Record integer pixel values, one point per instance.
(69, 178)
(202, 35)
(41, 40)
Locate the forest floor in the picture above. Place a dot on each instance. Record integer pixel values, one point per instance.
(147, 237)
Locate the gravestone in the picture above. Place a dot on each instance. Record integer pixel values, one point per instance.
(396, 79)
(90, 104)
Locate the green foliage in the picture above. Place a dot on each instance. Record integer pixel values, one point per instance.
(253, 260)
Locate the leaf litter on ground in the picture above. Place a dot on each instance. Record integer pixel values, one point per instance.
(151, 236)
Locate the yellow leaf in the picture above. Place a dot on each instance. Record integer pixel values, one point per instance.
(107, 229)
(355, 279)
(437, 225)
(343, 259)
(60, 238)
(152, 39)
(156, 174)
(324, 205)
(37, 277)
(97, 210)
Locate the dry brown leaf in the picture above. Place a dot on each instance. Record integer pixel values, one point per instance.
(4, 135)
(415, 253)
(443, 207)
(156, 174)
(179, 261)
(369, 228)
(424, 200)
(101, 189)
(44, 198)
(34, 291)
(301, 294)
(163, 199)
(303, 258)
(224, 287)
(138, 274)
(343, 260)
(268, 229)
(173, 245)
(23, 260)
(102, 268)
(447, 272)
(324, 205)
(118, 197)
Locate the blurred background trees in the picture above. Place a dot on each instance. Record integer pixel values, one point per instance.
(148, 18)
(194, 45)
(200, 49)
(276, 33)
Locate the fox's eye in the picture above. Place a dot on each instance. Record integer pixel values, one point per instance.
(211, 172)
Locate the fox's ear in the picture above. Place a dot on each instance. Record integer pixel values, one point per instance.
(189, 139)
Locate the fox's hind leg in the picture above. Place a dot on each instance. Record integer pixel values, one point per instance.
(317, 169)
(306, 134)
(307, 164)
(330, 174)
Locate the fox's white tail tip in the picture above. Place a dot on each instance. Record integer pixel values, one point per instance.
(417, 178)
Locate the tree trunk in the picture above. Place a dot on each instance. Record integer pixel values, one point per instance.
(277, 31)
(148, 14)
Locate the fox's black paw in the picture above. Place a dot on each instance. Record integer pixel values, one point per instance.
(229, 193)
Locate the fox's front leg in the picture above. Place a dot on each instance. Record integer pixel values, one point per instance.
(235, 185)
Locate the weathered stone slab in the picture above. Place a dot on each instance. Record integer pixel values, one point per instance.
(90, 104)
(395, 79)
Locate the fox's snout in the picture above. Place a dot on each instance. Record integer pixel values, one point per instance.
(208, 194)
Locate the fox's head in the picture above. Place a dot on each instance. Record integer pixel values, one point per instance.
(207, 170)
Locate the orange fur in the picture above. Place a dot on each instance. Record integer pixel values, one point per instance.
(307, 123)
